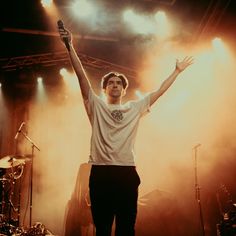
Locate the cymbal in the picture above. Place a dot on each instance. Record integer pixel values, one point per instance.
(27, 156)
(12, 161)
(3, 181)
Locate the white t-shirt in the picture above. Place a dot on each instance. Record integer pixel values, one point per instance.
(114, 128)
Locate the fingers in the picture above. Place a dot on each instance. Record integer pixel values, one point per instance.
(188, 60)
(182, 65)
(63, 32)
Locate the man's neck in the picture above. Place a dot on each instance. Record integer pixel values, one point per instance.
(114, 101)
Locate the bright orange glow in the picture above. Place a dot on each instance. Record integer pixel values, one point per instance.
(1, 96)
(62, 131)
(3, 105)
(198, 108)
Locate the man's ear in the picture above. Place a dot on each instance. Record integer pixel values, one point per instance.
(123, 92)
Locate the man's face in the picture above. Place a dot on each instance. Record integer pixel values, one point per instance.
(114, 87)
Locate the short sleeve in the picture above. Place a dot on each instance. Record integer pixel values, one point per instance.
(143, 104)
(90, 103)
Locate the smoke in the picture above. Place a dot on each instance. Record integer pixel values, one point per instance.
(198, 108)
(60, 128)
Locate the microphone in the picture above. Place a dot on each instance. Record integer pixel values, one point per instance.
(19, 130)
(198, 145)
(60, 26)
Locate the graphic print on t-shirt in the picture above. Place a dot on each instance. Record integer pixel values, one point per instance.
(117, 115)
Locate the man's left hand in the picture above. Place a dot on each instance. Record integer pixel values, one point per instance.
(182, 65)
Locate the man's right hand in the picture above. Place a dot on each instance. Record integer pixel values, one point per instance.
(66, 38)
(65, 34)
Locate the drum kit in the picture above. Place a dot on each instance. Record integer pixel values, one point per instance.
(11, 172)
(12, 167)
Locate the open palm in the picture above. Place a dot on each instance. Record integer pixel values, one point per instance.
(182, 65)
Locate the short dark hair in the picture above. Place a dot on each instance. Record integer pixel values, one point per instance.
(109, 75)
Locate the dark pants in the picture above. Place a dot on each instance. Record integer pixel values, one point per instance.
(114, 194)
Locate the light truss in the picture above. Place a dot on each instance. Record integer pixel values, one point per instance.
(164, 2)
(61, 59)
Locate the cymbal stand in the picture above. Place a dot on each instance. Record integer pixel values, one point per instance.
(7, 204)
(13, 175)
(19, 199)
(3, 196)
(14, 178)
(12, 183)
(197, 189)
(33, 146)
(3, 219)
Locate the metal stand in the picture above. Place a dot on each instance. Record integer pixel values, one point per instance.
(11, 162)
(33, 145)
(197, 189)
(13, 178)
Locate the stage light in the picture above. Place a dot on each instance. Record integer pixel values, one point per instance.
(139, 24)
(82, 9)
(216, 41)
(50, 9)
(218, 45)
(70, 80)
(0, 85)
(39, 80)
(163, 26)
(40, 91)
(51, 12)
(46, 3)
(63, 72)
(160, 16)
(220, 50)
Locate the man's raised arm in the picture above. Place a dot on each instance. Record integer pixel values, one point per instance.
(84, 82)
(180, 66)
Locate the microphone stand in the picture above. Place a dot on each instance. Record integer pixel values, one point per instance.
(33, 146)
(19, 196)
(197, 189)
(12, 181)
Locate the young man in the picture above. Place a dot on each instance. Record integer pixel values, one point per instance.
(114, 182)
